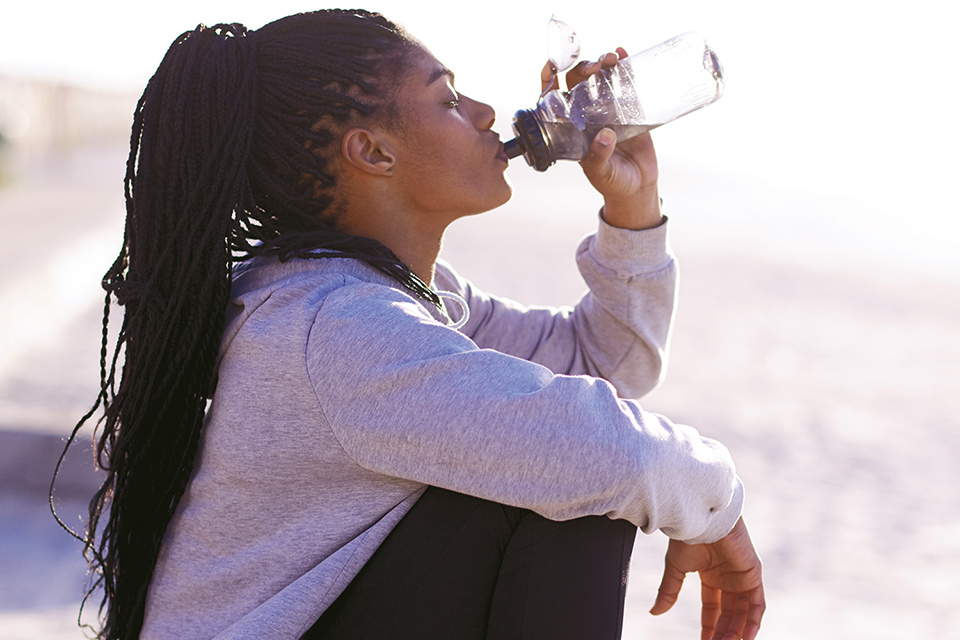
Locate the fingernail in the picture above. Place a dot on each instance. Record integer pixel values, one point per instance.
(606, 137)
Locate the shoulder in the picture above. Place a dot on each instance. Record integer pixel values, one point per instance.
(365, 301)
(368, 329)
(313, 282)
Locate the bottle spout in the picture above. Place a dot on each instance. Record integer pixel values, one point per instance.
(513, 148)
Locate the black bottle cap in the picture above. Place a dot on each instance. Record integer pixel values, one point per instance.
(531, 137)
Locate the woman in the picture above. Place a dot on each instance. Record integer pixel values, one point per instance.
(303, 443)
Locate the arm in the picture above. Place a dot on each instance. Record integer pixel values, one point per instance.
(618, 331)
(409, 398)
(730, 569)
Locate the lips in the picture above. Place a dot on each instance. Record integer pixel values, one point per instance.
(502, 154)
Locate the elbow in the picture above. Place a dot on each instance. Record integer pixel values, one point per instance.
(641, 371)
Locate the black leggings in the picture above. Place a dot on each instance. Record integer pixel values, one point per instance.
(458, 567)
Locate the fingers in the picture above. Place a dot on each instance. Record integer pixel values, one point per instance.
(548, 78)
(732, 616)
(669, 590)
(724, 615)
(583, 70)
(580, 72)
(595, 163)
(758, 604)
(709, 610)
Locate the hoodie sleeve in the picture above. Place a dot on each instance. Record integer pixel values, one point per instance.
(411, 398)
(619, 330)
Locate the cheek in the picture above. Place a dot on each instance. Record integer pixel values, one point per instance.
(449, 168)
(438, 145)
(446, 157)
(425, 148)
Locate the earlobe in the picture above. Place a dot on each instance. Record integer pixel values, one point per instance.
(367, 151)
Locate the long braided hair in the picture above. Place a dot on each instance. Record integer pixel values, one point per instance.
(229, 158)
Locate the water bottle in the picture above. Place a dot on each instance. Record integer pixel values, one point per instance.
(641, 92)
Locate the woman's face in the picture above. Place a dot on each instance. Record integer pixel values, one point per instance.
(449, 161)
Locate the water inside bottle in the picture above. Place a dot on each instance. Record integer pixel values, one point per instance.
(567, 141)
(623, 131)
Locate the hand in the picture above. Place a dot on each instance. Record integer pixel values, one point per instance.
(625, 174)
(731, 584)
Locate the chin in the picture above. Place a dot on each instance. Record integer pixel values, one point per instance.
(484, 199)
(505, 192)
(498, 197)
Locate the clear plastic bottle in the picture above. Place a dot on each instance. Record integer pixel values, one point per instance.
(641, 92)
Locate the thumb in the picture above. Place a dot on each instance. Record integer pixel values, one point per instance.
(594, 163)
(548, 77)
(669, 590)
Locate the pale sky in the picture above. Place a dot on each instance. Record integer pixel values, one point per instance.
(854, 103)
(838, 96)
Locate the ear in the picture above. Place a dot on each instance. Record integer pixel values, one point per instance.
(368, 151)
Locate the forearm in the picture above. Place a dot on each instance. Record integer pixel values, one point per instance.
(476, 421)
(624, 323)
(619, 331)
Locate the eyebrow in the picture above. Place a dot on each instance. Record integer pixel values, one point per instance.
(438, 73)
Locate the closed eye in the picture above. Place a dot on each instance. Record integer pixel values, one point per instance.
(455, 102)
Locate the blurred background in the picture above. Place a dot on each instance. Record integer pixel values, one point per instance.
(813, 210)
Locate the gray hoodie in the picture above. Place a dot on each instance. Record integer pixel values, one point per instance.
(341, 397)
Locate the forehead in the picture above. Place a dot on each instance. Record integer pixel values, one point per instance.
(421, 77)
(440, 71)
(424, 69)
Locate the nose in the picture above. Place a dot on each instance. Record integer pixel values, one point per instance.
(483, 114)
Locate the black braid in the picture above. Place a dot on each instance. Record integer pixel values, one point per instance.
(302, 83)
(229, 159)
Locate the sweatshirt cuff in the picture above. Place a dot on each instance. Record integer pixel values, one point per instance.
(632, 252)
(723, 522)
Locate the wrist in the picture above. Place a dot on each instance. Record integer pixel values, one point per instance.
(637, 212)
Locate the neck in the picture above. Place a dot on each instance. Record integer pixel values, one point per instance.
(418, 249)
(415, 239)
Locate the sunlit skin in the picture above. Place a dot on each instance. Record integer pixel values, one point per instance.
(731, 584)
(625, 174)
(404, 185)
